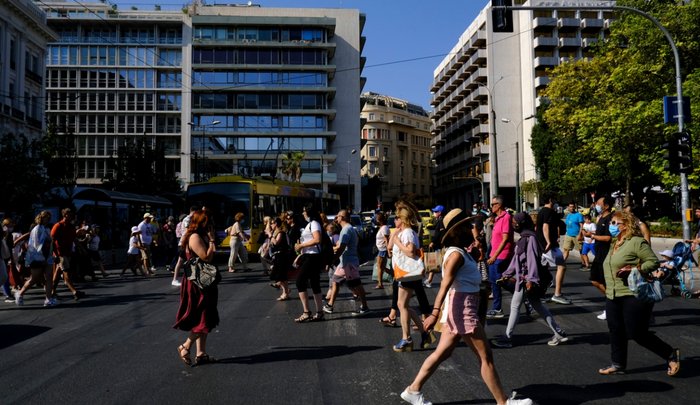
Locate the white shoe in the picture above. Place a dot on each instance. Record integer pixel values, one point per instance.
(602, 316)
(414, 398)
(525, 401)
(175, 283)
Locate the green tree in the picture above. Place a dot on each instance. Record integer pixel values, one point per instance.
(605, 114)
(22, 180)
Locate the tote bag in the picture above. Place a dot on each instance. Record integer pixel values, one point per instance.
(407, 268)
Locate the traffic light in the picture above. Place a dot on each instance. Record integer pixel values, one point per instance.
(685, 153)
(502, 18)
(671, 155)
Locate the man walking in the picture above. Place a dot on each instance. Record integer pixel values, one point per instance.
(574, 225)
(348, 269)
(501, 252)
(63, 237)
(147, 238)
(602, 240)
(548, 235)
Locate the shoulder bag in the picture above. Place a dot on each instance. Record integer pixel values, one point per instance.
(649, 291)
(201, 273)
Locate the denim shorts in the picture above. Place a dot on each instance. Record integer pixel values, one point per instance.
(382, 253)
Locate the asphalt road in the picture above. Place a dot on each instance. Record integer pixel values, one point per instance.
(117, 346)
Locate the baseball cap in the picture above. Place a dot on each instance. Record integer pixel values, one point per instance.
(438, 208)
(667, 253)
(148, 215)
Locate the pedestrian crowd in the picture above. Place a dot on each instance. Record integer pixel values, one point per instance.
(480, 258)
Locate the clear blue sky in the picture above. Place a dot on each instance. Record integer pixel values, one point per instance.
(396, 30)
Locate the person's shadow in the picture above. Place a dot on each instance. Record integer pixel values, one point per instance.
(298, 353)
(569, 394)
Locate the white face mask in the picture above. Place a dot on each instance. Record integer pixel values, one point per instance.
(7, 228)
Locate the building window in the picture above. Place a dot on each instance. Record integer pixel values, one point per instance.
(372, 151)
(371, 116)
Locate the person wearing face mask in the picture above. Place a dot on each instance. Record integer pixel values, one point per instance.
(601, 238)
(63, 237)
(548, 235)
(627, 316)
(310, 262)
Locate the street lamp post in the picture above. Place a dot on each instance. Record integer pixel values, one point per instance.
(352, 152)
(199, 160)
(518, 197)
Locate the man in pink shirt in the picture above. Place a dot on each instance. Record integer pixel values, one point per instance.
(501, 252)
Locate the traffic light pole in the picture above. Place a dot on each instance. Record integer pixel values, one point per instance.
(685, 195)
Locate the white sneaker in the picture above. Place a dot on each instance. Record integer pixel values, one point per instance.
(427, 284)
(50, 302)
(19, 300)
(602, 316)
(414, 398)
(524, 401)
(175, 283)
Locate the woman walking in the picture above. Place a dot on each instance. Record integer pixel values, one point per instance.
(405, 242)
(459, 292)
(198, 313)
(309, 261)
(39, 260)
(280, 257)
(381, 241)
(531, 280)
(628, 317)
(238, 239)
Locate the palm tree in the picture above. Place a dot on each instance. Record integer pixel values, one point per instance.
(291, 166)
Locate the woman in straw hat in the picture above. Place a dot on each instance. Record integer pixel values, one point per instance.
(459, 292)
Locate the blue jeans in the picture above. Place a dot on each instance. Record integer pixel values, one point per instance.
(495, 271)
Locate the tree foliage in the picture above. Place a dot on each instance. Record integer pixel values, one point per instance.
(22, 179)
(139, 168)
(603, 127)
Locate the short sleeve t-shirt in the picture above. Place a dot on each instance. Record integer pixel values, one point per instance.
(349, 238)
(548, 216)
(307, 236)
(382, 235)
(502, 225)
(589, 227)
(602, 248)
(133, 242)
(573, 224)
(406, 236)
(146, 233)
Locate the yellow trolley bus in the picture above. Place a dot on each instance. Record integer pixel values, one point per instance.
(225, 196)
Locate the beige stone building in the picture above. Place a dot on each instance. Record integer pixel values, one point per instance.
(395, 151)
(23, 39)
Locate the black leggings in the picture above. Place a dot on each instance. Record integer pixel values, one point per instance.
(419, 291)
(310, 273)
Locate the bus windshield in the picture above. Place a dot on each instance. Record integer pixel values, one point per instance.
(224, 200)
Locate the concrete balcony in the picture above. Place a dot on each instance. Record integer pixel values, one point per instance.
(545, 42)
(569, 42)
(544, 22)
(568, 24)
(546, 61)
(588, 42)
(541, 81)
(592, 24)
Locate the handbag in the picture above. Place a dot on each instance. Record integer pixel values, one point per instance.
(432, 261)
(201, 274)
(649, 291)
(407, 268)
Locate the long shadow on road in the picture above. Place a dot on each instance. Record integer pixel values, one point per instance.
(299, 353)
(13, 334)
(567, 394)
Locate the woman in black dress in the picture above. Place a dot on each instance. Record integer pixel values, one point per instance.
(198, 312)
(281, 255)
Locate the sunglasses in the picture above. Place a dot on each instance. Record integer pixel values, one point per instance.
(492, 204)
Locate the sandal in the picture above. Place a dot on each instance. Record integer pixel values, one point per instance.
(203, 359)
(185, 357)
(611, 370)
(305, 317)
(674, 363)
(387, 321)
(317, 317)
(283, 298)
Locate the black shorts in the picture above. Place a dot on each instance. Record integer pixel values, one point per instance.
(597, 274)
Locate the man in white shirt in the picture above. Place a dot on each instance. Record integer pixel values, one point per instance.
(146, 239)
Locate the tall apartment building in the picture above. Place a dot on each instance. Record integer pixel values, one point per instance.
(395, 149)
(23, 40)
(485, 93)
(224, 89)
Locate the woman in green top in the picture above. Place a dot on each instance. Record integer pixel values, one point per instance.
(628, 317)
